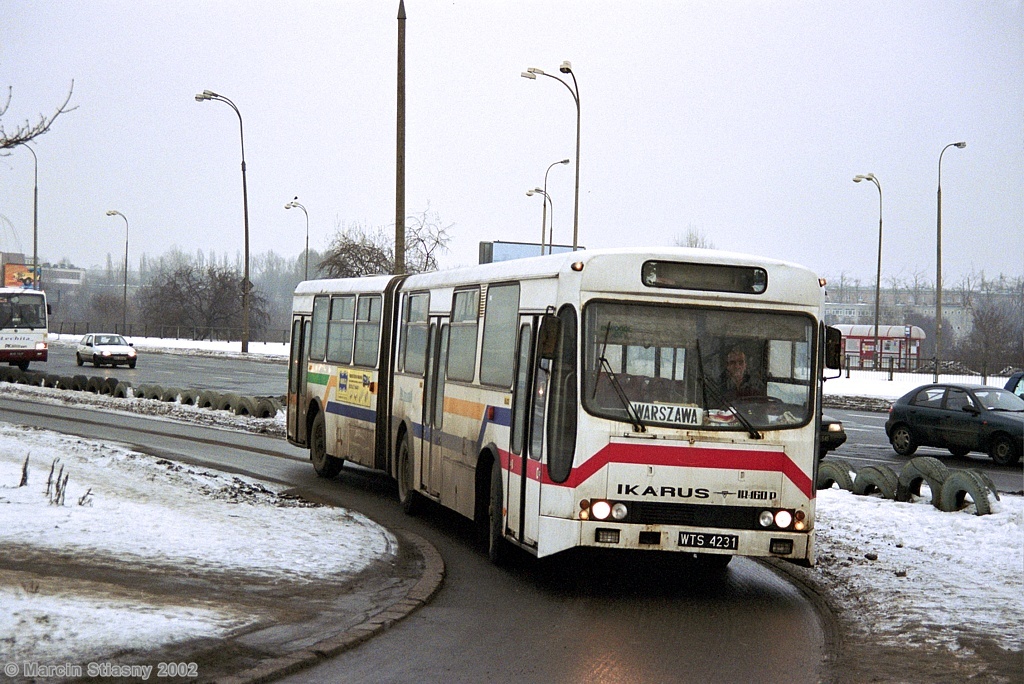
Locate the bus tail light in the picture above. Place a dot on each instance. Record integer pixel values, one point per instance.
(781, 546)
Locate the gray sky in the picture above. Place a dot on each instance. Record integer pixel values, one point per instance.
(745, 121)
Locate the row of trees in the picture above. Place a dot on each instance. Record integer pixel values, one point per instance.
(200, 295)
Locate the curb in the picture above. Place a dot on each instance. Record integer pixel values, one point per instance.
(421, 593)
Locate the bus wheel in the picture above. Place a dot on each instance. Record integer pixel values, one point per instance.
(408, 497)
(497, 547)
(23, 366)
(325, 466)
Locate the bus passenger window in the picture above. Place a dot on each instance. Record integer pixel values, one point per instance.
(414, 332)
(339, 330)
(462, 342)
(367, 330)
(318, 341)
(497, 353)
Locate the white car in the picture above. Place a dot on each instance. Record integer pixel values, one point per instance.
(105, 348)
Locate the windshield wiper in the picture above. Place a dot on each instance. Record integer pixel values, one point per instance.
(720, 398)
(603, 366)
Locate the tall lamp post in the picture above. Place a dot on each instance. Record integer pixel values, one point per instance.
(878, 275)
(36, 272)
(938, 265)
(294, 204)
(552, 229)
(210, 95)
(543, 219)
(574, 90)
(124, 305)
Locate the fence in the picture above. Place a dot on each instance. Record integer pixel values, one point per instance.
(175, 332)
(951, 371)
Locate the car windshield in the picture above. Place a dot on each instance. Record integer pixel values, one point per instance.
(110, 340)
(999, 400)
(697, 368)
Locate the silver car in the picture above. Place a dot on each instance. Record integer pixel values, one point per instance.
(105, 349)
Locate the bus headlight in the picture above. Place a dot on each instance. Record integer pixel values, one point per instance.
(783, 519)
(619, 511)
(766, 518)
(600, 509)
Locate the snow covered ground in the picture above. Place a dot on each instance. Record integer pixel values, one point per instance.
(913, 575)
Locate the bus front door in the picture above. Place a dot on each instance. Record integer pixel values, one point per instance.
(433, 408)
(525, 451)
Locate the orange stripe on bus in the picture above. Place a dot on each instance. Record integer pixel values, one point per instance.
(461, 407)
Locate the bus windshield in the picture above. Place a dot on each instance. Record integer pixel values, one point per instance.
(697, 368)
(22, 310)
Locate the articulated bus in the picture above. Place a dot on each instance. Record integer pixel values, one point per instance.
(24, 334)
(660, 399)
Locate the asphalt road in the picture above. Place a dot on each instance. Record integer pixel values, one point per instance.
(618, 619)
(255, 376)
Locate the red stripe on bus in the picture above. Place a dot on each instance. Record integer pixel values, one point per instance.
(658, 455)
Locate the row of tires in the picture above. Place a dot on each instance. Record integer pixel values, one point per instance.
(240, 405)
(950, 489)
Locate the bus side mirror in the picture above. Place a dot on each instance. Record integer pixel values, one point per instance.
(547, 338)
(833, 348)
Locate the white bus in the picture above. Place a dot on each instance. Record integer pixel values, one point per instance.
(24, 335)
(580, 399)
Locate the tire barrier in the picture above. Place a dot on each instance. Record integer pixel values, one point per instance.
(207, 399)
(918, 471)
(876, 479)
(122, 390)
(266, 408)
(188, 397)
(170, 394)
(835, 472)
(79, 383)
(154, 392)
(108, 386)
(226, 402)
(52, 380)
(244, 406)
(962, 484)
(94, 384)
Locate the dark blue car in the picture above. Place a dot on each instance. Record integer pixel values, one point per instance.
(961, 418)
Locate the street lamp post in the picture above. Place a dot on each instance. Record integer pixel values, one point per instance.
(551, 230)
(36, 272)
(938, 265)
(210, 95)
(544, 220)
(294, 204)
(124, 305)
(878, 275)
(574, 90)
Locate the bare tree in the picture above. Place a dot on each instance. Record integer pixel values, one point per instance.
(358, 251)
(990, 345)
(693, 238)
(27, 131)
(208, 301)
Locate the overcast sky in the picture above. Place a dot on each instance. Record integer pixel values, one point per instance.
(744, 121)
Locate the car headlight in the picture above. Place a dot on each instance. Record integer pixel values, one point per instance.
(835, 427)
(131, 352)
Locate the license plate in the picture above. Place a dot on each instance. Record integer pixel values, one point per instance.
(703, 540)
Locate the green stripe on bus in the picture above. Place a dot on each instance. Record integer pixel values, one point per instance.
(318, 378)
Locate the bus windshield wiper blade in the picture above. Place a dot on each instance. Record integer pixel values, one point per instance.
(638, 425)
